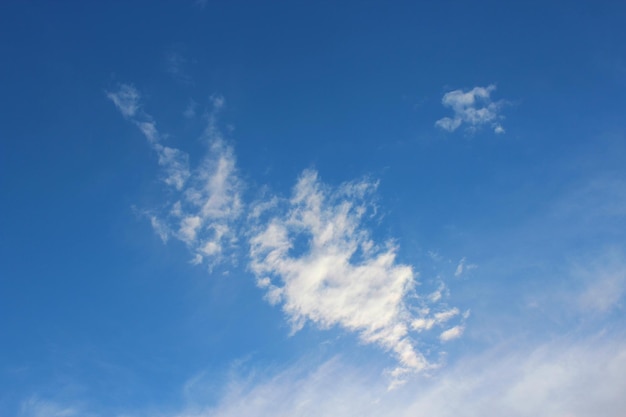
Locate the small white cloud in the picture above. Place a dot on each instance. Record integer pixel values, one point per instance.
(474, 108)
(126, 99)
(149, 130)
(459, 268)
(444, 316)
(452, 333)
(160, 228)
(217, 100)
(565, 379)
(462, 267)
(426, 320)
(197, 260)
(448, 124)
(175, 164)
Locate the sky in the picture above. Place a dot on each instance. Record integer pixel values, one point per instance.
(215, 209)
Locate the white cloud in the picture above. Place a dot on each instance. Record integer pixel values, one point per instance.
(451, 334)
(126, 99)
(474, 108)
(204, 216)
(175, 163)
(562, 378)
(462, 267)
(209, 201)
(149, 130)
(159, 227)
(319, 262)
(427, 321)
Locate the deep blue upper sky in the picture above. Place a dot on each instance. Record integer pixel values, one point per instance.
(485, 142)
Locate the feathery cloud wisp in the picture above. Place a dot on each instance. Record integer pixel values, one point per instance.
(563, 378)
(126, 99)
(208, 200)
(175, 163)
(566, 377)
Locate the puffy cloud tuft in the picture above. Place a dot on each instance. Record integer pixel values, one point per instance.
(474, 108)
(318, 260)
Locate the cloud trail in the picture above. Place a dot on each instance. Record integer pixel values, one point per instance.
(174, 162)
(207, 201)
(566, 377)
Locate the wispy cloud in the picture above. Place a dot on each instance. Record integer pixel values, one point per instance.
(463, 267)
(318, 260)
(577, 247)
(210, 205)
(451, 334)
(126, 99)
(208, 199)
(175, 163)
(474, 108)
(603, 280)
(562, 378)
(37, 407)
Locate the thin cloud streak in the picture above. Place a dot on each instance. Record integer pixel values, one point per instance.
(583, 378)
(566, 377)
(174, 162)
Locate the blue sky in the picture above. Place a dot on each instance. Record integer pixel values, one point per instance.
(312, 209)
